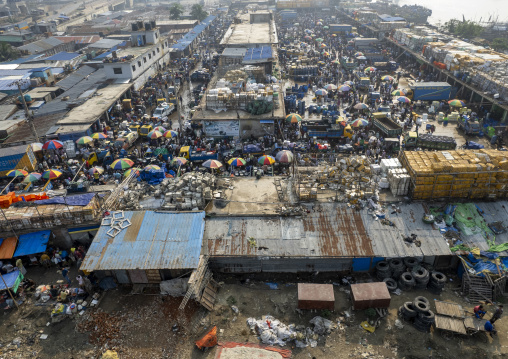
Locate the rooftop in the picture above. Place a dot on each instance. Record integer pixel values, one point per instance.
(193, 34)
(248, 34)
(63, 56)
(153, 241)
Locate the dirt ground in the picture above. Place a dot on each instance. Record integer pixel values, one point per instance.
(148, 325)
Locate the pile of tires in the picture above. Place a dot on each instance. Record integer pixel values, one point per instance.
(407, 311)
(406, 281)
(411, 263)
(397, 267)
(424, 317)
(436, 283)
(422, 277)
(391, 284)
(383, 270)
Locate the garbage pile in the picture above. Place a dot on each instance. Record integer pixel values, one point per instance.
(418, 312)
(187, 192)
(272, 331)
(136, 192)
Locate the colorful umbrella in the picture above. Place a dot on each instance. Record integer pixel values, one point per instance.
(128, 172)
(237, 162)
(308, 37)
(361, 106)
(456, 103)
(336, 62)
(212, 164)
(32, 177)
(319, 39)
(99, 136)
(370, 69)
(180, 161)
(293, 118)
(325, 27)
(399, 93)
(308, 31)
(403, 99)
(349, 83)
(154, 134)
(51, 174)
(17, 173)
(170, 134)
(331, 87)
(96, 169)
(344, 88)
(284, 156)
(387, 78)
(360, 123)
(122, 164)
(321, 92)
(36, 146)
(266, 160)
(151, 167)
(361, 58)
(322, 46)
(319, 23)
(326, 53)
(84, 140)
(160, 129)
(334, 35)
(52, 145)
(359, 54)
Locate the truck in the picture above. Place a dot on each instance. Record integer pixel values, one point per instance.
(200, 75)
(320, 129)
(188, 153)
(100, 156)
(429, 91)
(126, 141)
(384, 124)
(363, 81)
(429, 142)
(163, 110)
(17, 157)
(386, 66)
(469, 126)
(348, 63)
(145, 129)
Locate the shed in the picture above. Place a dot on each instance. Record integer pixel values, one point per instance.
(370, 295)
(156, 246)
(316, 296)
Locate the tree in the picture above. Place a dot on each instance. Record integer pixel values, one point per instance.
(499, 44)
(197, 12)
(464, 28)
(7, 52)
(175, 11)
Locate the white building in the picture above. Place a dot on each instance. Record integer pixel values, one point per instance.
(147, 54)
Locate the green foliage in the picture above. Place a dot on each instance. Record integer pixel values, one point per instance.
(371, 313)
(326, 314)
(7, 52)
(175, 11)
(465, 28)
(231, 300)
(499, 44)
(197, 12)
(259, 107)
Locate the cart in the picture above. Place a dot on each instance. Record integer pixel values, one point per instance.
(450, 319)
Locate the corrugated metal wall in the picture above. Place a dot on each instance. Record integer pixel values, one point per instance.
(279, 265)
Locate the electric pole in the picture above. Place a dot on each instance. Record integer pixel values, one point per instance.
(29, 117)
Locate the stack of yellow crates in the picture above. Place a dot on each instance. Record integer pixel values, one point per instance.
(457, 174)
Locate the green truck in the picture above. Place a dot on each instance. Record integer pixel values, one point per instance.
(385, 125)
(429, 142)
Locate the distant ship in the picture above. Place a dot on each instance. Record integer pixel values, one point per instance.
(412, 13)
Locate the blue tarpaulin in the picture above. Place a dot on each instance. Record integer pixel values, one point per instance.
(32, 243)
(10, 279)
(78, 200)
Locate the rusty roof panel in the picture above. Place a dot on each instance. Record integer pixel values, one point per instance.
(155, 240)
(333, 231)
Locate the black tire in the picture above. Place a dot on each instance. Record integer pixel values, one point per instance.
(421, 275)
(427, 317)
(396, 264)
(410, 262)
(438, 277)
(421, 299)
(408, 278)
(421, 327)
(382, 266)
(391, 284)
(409, 310)
(421, 307)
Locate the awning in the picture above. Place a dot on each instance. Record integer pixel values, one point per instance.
(12, 280)
(7, 247)
(32, 243)
(266, 121)
(83, 229)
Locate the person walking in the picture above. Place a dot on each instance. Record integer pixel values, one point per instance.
(65, 274)
(497, 314)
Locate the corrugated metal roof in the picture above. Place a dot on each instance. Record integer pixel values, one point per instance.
(7, 247)
(258, 53)
(32, 243)
(155, 240)
(41, 45)
(63, 56)
(193, 34)
(335, 231)
(388, 241)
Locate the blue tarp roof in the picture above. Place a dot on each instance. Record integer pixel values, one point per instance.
(191, 35)
(32, 243)
(258, 53)
(386, 17)
(10, 279)
(153, 241)
(77, 200)
(63, 56)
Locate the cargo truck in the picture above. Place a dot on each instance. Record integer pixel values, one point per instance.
(386, 66)
(429, 142)
(188, 153)
(17, 157)
(347, 63)
(385, 125)
(328, 130)
(429, 91)
(470, 127)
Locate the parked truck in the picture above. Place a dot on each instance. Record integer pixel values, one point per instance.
(429, 142)
(163, 110)
(384, 124)
(17, 157)
(188, 153)
(429, 91)
(348, 63)
(386, 66)
(469, 126)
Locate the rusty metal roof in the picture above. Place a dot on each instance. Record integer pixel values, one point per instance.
(333, 231)
(155, 240)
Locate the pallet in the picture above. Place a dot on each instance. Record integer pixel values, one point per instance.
(209, 295)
